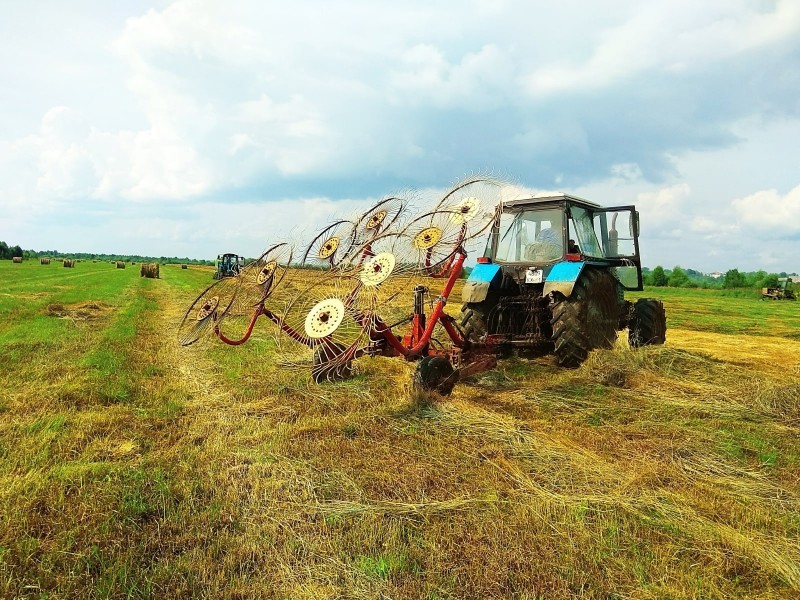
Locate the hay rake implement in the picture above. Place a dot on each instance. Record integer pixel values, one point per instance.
(366, 266)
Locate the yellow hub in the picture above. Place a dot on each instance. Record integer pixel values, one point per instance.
(329, 247)
(208, 308)
(427, 238)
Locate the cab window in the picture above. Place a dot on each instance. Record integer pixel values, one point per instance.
(530, 236)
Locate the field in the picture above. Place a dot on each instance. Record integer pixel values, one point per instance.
(133, 468)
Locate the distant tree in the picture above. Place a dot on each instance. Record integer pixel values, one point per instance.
(659, 278)
(4, 252)
(16, 251)
(770, 280)
(734, 279)
(678, 278)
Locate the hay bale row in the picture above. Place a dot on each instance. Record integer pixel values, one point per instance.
(44, 261)
(69, 263)
(184, 266)
(16, 259)
(149, 270)
(120, 264)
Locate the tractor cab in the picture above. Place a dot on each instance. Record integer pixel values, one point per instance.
(532, 237)
(228, 265)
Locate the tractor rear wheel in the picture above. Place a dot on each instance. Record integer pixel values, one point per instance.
(329, 364)
(473, 322)
(648, 323)
(435, 373)
(586, 320)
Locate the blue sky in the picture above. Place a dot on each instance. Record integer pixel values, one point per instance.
(194, 127)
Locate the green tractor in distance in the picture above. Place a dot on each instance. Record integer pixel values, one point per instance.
(228, 265)
(553, 277)
(782, 292)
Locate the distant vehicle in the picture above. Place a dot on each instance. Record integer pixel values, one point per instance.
(782, 292)
(228, 265)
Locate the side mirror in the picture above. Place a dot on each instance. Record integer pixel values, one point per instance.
(634, 224)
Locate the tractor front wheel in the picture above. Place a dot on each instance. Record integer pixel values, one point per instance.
(586, 320)
(473, 322)
(648, 323)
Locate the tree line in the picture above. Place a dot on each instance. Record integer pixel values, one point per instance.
(8, 252)
(689, 278)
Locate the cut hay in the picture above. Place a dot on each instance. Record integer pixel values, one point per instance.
(120, 264)
(17, 259)
(184, 266)
(69, 263)
(44, 261)
(149, 270)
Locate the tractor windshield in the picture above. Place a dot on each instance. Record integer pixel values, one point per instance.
(533, 235)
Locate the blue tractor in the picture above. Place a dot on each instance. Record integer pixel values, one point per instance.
(553, 278)
(228, 265)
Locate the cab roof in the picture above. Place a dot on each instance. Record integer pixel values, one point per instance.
(549, 198)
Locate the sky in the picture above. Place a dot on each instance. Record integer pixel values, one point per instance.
(195, 127)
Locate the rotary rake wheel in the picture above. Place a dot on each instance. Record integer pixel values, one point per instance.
(330, 246)
(207, 311)
(331, 319)
(474, 203)
(431, 241)
(380, 219)
(258, 281)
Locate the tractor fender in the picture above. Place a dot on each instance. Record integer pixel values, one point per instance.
(482, 278)
(562, 278)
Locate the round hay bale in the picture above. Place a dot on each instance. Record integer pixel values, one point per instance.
(44, 261)
(17, 259)
(69, 263)
(149, 270)
(184, 266)
(120, 264)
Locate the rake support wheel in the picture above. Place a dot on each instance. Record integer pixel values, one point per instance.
(587, 319)
(435, 373)
(648, 323)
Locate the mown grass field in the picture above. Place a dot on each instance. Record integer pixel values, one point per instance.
(133, 468)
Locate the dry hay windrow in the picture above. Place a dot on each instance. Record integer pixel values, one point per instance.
(149, 270)
(120, 264)
(16, 259)
(84, 311)
(69, 263)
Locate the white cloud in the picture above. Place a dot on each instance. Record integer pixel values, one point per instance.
(665, 205)
(480, 81)
(676, 36)
(768, 211)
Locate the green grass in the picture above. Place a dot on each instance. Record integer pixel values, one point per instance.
(132, 468)
(721, 311)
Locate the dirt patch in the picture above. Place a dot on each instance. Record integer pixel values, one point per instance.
(87, 311)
